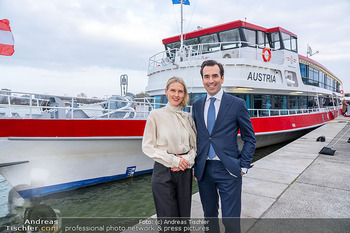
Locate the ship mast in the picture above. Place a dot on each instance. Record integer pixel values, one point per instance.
(182, 26)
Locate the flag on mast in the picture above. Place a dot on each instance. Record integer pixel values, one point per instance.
(185, 2)
(6, 38)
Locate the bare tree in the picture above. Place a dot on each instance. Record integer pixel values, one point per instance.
(82, 95)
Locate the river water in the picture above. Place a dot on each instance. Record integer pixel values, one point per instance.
(131, 197)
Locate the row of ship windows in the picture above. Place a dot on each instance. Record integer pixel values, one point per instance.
(276, 40)
(317, 78)
(256, 101)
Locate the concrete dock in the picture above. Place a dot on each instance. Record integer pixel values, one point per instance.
(299, 183)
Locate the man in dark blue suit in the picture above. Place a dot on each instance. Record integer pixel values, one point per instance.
(219, 164)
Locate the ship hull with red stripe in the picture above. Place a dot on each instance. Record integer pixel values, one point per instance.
(51, 156)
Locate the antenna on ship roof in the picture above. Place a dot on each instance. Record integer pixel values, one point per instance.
(182, 24)
(182, 2)
(309, 51)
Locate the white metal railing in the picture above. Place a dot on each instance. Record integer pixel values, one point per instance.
(286, 112)
(195, 52)
(29, 106)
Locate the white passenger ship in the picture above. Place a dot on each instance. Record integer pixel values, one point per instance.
(286, 93)
(52, 144)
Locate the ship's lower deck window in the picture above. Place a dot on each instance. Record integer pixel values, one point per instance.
(267, 105)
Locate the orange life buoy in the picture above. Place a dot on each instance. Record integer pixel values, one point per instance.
(341, 92)
(263, 54)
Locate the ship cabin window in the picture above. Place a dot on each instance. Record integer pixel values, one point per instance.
(174, 45)
(337, 88)
(250, 36)
(275, 40)
(294, 44)
(321, 80)
(211, 42)
(160, 101)
(262, 39)
(289, 42)
(177, 44)
(191, 41)
(196, 97)
(245, 97)
(260, 105)
(313, 77)
(312, 102)
(303, 72)
(211, 38)
(254, 37)
(329, 83)
(274, 105)
(286, 41)
(171, 49)
(230, 38)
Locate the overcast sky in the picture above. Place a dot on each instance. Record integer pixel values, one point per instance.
(74, 46)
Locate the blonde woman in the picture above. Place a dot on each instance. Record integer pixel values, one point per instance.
(170, 140)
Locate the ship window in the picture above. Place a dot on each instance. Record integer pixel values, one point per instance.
(211, 38)
(302, 102)
(262, 39)
(192, 41)
(303, 70)
(286, 41)
(197, 96)
(250, 36)
(266, 102)
(230, 38)
(294, 44)
(279, 102)
(304, 80)
(174, 45)
(276, 43)
(313, 77)
(260, 103)
(311, 101)
(158, 101)
(293, 102)
(327, 83)
(164, 99)
(321, 80)
(210, 43)
(316, 77)
(338, 87)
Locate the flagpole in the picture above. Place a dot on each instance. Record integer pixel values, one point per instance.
(181, 39)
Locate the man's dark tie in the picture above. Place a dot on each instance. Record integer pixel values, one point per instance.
(210, 124)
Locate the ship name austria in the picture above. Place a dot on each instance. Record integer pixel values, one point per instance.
(261, 77)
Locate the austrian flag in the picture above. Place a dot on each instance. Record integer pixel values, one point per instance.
(6, 38)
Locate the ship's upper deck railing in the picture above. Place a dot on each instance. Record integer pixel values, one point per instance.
(286, 112)
(31, 106)
(233, 49)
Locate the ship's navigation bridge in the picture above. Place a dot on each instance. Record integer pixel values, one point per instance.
(236, 39)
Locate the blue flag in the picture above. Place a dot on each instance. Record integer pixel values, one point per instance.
(185, 2)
